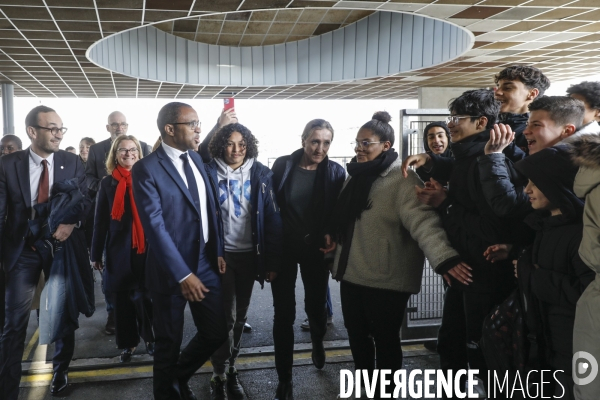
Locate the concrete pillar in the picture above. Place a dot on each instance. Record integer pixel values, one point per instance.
(438, 97)
(8, 113)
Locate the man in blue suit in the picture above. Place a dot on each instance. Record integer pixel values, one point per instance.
(26, 179)
(178, 207)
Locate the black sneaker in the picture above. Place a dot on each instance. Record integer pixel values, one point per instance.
(217, 389)
(233, 384)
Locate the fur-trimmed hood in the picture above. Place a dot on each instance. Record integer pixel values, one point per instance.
(585, 150)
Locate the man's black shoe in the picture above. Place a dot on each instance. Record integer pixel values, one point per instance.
(186, 391)
(59, 382)
(217, 389)
(233, 384)
(318, 354)
(150, 348)
(284, 391)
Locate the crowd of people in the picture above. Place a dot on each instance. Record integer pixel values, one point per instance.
(503, 200)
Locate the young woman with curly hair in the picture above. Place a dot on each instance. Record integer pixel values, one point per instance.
(252, 233)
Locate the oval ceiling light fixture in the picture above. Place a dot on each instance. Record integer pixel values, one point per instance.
(382, 44)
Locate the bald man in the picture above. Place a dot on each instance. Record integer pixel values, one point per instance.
(95, 170)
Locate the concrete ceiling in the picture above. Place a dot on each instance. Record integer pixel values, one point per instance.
(43, 43)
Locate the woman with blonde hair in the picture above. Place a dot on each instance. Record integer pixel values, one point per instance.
(118, 233)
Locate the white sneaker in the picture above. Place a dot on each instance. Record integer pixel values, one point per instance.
(306, 326)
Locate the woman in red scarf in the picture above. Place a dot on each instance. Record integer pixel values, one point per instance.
(119, 237)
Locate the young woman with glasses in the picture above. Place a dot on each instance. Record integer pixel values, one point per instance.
(382, 231)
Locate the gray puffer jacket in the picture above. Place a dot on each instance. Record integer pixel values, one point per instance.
(586, 334)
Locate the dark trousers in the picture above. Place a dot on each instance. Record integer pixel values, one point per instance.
(373, 318)
(315, 277)
(21, 282)
(236, 283)
(461, 329)
(133, 317)
(2, 294)
(168, 316)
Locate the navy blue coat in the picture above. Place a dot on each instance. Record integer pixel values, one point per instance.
(114, 237)
(171, 221)
(267, 229)
(15, 198)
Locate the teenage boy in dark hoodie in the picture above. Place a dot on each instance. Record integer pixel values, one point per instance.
(471, 227)
(516, 87)
(551, 269)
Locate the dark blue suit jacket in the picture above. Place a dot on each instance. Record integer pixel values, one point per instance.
(15, 197)
(115, 237)
(171, 221)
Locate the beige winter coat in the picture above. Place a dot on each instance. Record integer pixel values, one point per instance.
(390, 238)
(586, 333)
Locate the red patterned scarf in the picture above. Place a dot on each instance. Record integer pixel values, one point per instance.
(137, 232)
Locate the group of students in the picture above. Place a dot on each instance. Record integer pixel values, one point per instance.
(509, 185)
(517, 200)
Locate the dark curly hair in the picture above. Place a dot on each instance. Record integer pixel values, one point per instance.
(590, 91)
(217, 144)
(531, 77)
(477, 103)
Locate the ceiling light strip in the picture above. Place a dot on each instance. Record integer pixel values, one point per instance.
(69, 46)
(143, 12)
(28, 73)
(16, 84)
(38, 53)
(191, 8)
(158, 91)
(114, 86)
(179, 91)
(97, 16)
(199, 91)
(240, 6)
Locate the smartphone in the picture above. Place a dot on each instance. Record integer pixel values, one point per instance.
(228, 103)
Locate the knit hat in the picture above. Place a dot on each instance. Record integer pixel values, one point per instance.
(553, 172)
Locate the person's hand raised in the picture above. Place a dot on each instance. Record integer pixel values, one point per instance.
(227, 117)
(501, 136)
(415, 161)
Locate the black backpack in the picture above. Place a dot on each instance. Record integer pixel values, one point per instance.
(504, 340)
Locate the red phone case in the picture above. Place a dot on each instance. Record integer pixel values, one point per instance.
(228, 103)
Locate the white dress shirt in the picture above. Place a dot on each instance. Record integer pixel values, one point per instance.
(173, 155)
(35, 173)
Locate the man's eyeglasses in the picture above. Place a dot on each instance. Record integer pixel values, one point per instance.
(454, 119)
(191, 124)
(116, 125)
(133, 150)
(55, 130)
(363, 144)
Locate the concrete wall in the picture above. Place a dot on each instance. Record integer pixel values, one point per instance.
(438, 97)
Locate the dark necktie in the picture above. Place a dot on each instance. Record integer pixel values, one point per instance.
(191, 180)
(44, 186)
